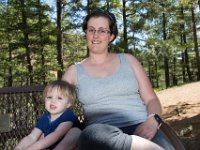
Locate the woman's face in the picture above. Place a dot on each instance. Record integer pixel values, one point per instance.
(98, 34)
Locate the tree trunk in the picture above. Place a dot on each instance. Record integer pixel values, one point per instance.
(174, 75)
(149, 72)
(59, 39)
(125, 42)
(10, 80)
(166, 60)
(157, 77)
(10, 73)
(183, 66)
(26, 42)
(195, 42)
(43, 75)
(184, 40)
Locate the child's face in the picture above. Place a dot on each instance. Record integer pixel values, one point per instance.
(56, 103)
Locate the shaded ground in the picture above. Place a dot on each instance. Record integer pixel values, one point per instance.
(181, 109)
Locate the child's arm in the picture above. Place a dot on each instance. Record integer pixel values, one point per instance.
(29, 139)
(52, 138)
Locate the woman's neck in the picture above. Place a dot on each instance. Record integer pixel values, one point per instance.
(98, 58)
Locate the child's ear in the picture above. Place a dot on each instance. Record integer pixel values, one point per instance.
(69, 105)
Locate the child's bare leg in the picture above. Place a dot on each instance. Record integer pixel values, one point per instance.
(139, 143)
(69, 142)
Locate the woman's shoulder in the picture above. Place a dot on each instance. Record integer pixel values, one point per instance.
(129, 57)
(133, 61)
(71, 69)
(70, 74)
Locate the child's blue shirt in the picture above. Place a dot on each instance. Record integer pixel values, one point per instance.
(47, 126)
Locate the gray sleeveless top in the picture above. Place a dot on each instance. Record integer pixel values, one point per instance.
(114, 99)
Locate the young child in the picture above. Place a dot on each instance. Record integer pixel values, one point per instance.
(59, 96)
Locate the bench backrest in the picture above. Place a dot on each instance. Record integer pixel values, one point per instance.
(20, 107)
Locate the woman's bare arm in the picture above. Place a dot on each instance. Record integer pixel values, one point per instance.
(70, 75)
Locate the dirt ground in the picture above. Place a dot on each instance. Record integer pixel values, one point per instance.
(181, 109)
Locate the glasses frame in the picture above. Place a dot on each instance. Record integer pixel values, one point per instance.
(101, 32)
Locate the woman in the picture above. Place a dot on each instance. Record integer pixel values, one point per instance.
(115, 93)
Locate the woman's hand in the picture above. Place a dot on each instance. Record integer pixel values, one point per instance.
(147, 129)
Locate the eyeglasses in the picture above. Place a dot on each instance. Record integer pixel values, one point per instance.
(101, 32)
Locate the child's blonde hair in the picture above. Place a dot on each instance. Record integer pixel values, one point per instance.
(65, 89)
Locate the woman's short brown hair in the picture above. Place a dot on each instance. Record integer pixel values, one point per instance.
(110, 16)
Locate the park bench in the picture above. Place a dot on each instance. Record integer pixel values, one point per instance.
(22, 106)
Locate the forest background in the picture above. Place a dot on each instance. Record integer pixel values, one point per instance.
(41, 38)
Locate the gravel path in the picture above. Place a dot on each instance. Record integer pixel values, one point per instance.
(185, 99)
(181, 108)
(189, 93)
